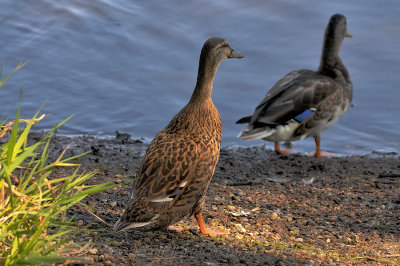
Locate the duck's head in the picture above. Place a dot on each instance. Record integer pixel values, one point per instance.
(217, 49)
(337, 28)
(214, 51)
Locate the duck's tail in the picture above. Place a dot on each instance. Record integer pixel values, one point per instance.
(253, 133)
(122, 225)
(244, 120)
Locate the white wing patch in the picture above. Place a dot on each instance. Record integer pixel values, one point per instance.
(169, 198)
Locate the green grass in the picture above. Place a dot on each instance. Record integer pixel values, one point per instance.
(33, 197)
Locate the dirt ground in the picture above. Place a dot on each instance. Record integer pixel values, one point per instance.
(276, 209)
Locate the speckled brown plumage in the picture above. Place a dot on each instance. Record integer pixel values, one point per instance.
(180, 161)
(304, 103)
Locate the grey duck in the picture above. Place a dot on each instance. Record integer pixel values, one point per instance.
(304, 102)
(179, 164)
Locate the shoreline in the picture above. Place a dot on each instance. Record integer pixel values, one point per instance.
(287, 209)
(386, 151)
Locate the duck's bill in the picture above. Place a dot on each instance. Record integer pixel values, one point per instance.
(348, 35)
(235, 54)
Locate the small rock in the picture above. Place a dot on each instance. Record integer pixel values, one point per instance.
(299, 239)
(255, 209)
(241, 228)
(294, 232)
(273, 216)
(80, 223)
(249, 199)
(239, 236)
(93, 251)
(328, 240)
(118, 176)
(231, 208)
(113, 204)
(218, 199)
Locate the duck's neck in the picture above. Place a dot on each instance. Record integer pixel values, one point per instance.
(205, 80)
(331, 65)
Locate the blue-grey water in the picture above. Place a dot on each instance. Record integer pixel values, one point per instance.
(132, 65)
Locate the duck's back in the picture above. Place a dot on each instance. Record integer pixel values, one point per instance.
(293, 94)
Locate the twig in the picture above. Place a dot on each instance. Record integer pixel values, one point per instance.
(14, 191)
(101, 220)
(388, 175)
(7, 127)
(248, 183)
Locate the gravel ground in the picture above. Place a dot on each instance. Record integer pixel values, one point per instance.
(275, 209)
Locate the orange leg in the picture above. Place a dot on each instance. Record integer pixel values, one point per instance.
(203, 229)
(318, 152)
(199, 218)
(278, 149)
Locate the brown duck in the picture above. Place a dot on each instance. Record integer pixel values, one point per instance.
(178, 165)
(304, 102)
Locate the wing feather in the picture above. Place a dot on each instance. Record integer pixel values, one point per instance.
(291, 96)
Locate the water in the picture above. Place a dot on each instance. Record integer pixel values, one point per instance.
(132, 65)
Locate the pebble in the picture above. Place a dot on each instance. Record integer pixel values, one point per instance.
(294, 232)
(118, 176)
(231, 208)
(249, 199)
(108, 263)
(80, 223)
(241, 228)
(273, 216)
(113, 204)
(239, 236)
(93, 251)
(241, 193)
(218, 199)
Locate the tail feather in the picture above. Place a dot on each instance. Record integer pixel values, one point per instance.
(122, 225)
(251, 133)
(244, 120)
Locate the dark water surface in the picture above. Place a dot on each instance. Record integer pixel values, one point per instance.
(132, 65)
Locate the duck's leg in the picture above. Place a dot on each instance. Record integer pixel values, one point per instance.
(318, 152)
(278, 149)
(199, 218)
(203, 229)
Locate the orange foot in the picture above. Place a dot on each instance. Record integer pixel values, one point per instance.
(173, 228)
(323, 154)
(204, 230)
(279, 151)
